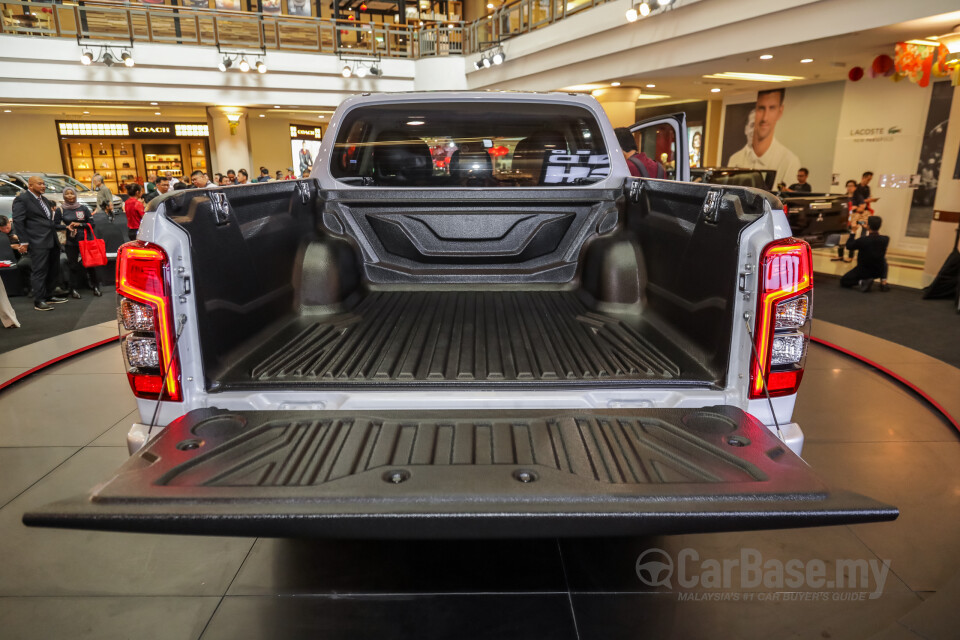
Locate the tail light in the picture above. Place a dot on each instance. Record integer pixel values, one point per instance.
(145, 315)
(782, 330)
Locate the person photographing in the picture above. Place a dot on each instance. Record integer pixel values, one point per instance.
(871, 258)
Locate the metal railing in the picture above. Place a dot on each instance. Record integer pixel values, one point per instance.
(104, 22)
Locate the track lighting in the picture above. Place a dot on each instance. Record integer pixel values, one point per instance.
(362, 72)
(486, 63)
(346, 72)
(108, 59)
(86, 57)
(261, 66)
(632, 14)
(664, 3)
(244, 65)
(225, 64)
(376, 71)
(127, 59)
(645, 9)
(478, 65)
(499, 57)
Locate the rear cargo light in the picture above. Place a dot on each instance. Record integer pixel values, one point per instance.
(146, 315)
(782, 330)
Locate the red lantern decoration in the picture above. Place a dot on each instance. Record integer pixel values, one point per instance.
(498, 151)
(882, 66)
(855, 74)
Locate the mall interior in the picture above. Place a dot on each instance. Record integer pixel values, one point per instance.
(791, 99)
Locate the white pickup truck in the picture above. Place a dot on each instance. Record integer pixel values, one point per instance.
(470, 322)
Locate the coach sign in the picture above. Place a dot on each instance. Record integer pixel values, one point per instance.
(151, 130)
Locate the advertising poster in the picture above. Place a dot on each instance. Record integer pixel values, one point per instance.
(695, 145)
(303, 153)
(749, 137)
(198, 4)
(228, 5)
(931, 157)
(801, 126)
(271, 7)
(298, 7)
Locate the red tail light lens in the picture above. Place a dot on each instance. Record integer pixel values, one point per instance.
(783, 318)
(146, 315)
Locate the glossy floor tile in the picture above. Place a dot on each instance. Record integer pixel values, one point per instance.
(431, 566)
(48, 562)
(923, 480)
(63, 410)
(735, 615)
(105, 359)
(20, 467)
(120, 618)
(424, 617)
(860, 405)
(116, 435)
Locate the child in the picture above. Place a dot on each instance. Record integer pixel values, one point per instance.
(871, 259)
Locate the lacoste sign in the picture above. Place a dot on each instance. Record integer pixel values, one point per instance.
(874, 134)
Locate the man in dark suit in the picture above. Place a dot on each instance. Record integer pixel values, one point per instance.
(36, 222)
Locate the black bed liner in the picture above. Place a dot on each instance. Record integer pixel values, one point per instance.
(396, 337)
(462, 474)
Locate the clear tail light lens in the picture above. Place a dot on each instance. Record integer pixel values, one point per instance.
(135, 316)
(782, 330)
(145, 315)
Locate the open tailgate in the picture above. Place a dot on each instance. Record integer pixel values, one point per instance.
(461, 474)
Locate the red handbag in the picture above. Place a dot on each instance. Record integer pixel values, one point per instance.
(93, 253)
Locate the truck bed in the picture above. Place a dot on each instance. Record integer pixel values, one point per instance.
(417, 337)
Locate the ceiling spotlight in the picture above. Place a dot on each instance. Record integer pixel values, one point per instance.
(651, 86)
(645, 9)
(715, 90)
(108, 59)
(261, 66)
(156, 113)
(244, 65)
(632, 14)
(225, 64)
(262, 115)
(127, 59)
(489, 5)
(614, 84)
(86, 57)
(486, 62)
(375, 71)
(806, 60)
(664, 3)
(478, 65)
(766, 56)
(362, 72)
(346, 72)
(499, 57)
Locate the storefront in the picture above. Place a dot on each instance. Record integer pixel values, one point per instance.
(125, 152)
(304, 146)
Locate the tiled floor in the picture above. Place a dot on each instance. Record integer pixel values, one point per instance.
(904, 271)
(63, 431)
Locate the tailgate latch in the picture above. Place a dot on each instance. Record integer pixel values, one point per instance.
(711, 206)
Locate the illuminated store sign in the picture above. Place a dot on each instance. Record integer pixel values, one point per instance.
(305, 132)
(132, 130)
